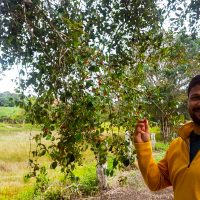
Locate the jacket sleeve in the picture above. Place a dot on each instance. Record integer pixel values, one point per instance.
(155, 175)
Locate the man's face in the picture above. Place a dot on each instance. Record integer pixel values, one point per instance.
(194, 104)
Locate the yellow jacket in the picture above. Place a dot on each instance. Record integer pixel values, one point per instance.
(175, 168)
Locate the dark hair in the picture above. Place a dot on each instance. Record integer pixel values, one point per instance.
(195, 81)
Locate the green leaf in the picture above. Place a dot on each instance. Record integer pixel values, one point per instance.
(49, 137)
(111, 172)
(107, 172)
(115, 163)
(89, 84)
(78, 137)
(94, 68)
(89, 104)
(101, 130)
(103, 147)
(53, 165)
(34, 153)
(42, 152)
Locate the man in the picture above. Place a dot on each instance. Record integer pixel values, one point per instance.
(181, 165)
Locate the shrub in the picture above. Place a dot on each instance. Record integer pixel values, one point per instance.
(42, 182)
(53, 192)
(160, 146)
(156, 130)
(88, 184)
(12, 115)
(26, 194)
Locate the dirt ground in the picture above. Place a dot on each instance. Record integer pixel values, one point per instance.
(130, 193)
(132, 188)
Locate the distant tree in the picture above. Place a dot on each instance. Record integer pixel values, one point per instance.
(8, 99)
(175, 62)
(184, 16)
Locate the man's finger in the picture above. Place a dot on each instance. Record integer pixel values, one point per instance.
(146, 125)
(140, 128)
(140, 125)
(141, 121)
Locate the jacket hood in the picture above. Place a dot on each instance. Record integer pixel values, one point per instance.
(186, 129)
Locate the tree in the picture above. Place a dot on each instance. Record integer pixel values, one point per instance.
(172, 67)
(77, 82)
(85, 61)
(8, 99)
(184, 16)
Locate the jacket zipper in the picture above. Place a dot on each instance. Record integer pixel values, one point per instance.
(188, 147)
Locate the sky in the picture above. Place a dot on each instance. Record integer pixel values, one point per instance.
(6, 83)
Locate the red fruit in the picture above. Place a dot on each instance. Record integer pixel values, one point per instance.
(46, 130)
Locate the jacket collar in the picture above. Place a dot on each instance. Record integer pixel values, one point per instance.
(185, 131)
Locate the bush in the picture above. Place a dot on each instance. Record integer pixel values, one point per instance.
(88, 184)
(26, 194)
(156, 130)
(42, 182)
(12, 115)
(160, 146)
(53, 192)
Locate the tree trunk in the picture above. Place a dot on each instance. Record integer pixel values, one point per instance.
(165, 129)
(128, 140)
(101, 175)
(153, 140)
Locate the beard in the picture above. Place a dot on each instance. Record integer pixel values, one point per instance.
(195, 115)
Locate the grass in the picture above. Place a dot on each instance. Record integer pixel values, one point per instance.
(160, 146)
(160, 150)
(87, 173)
(17, 150)
(8, 127)
(12, 114)
(10, 111)
(87, 176)
(14, 153)
(25, 194)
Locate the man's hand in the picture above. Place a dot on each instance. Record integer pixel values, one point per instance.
(141, 133)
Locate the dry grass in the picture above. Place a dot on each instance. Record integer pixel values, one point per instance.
(14, 154)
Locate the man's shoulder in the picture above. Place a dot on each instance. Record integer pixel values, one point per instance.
(175, 148)
(176, 142)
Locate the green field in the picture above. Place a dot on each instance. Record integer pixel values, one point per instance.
(12, 114)
(10, 111)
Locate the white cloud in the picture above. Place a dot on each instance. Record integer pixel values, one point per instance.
(7, 81)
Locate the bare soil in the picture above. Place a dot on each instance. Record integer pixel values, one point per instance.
(130, 193)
